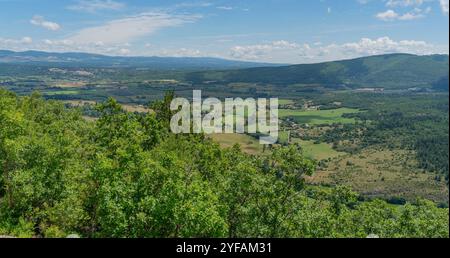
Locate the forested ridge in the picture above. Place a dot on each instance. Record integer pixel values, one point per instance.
(391, 71)
(126, 175)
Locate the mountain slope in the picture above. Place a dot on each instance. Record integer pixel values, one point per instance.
(95, 60)
(395, 71)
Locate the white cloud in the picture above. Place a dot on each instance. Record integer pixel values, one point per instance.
(94, 47)
(40, 21)
(131, 28)
(24, 40)
(124, 51)
(410, 16)
(191, 5)
(405, 3)
(281, 51)
(444, 6)
(290, 52)
(112, 38)
(388, 15)
(93, 6)
(226, 8)
(391, 15)
(16, 44)
(66, 43)
(417, 9)
(181, 52)
(386, 45)
(255, 52)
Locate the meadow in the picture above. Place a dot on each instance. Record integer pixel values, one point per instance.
(317, 151)
(378, 173)
(249, 144)
(319, 117)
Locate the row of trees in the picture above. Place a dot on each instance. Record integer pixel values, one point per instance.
(126, 175)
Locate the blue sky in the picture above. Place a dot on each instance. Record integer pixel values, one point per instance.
(283, 31)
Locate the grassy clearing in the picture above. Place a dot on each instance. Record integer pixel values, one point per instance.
(319, 151)
(384, 174)
(126, 107)
(136, 108)
(319, 117)
(69, 84)
(90, 119)
(61, 92)
(79, 103)
(251, 145)
(248, 144)
(285, 102)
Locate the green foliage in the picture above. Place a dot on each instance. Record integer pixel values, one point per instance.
(125, 175)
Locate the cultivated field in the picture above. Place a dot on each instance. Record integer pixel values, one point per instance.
(319, 117)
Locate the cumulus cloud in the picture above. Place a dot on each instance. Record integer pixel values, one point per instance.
(16, 44)
(261, 50)
(407, 9)
(226, 8)
(405, 3)
(444, 6)
(289, 52)
(388, 15)
(130, 28)
(398, 3)
(181, 52)
(24, 40)
(391, 15)
(111, 38)
(40, 21)
(98, 47)
(124, 51)
(385, 45)
(281, 51)
(93, 6)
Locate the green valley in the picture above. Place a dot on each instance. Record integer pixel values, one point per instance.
(362, 142)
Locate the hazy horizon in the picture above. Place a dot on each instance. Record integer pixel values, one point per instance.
(222, 58)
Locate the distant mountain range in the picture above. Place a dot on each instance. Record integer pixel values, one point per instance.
(392, 71)
(95, 60)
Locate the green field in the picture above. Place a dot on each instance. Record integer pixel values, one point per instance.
(318, 117)
(61, 92)
(285, 102)
(251, 145)
(319, 151)
(248, 144)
